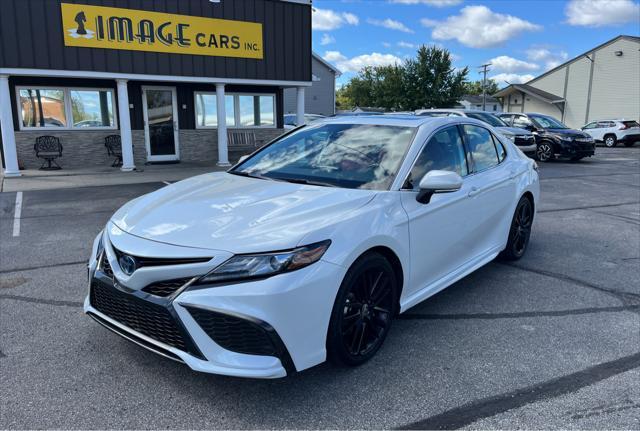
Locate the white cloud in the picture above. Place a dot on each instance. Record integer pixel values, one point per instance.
(512, 78)
(403, 44)
(436, 3)
(327, 39)
(386, 44)
(508, 64)
(356, 63)
(479, 27)
(546, 56)
(327, 20)
(598, 13)
(390, 24)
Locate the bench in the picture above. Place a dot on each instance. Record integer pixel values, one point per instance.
(48, 148)
(114, 149)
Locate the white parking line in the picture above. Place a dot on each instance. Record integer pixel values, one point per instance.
(167, 183)
(17, 214)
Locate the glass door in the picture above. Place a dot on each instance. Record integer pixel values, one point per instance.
(160, 123)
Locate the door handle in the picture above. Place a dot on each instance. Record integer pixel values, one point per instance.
(474, 191)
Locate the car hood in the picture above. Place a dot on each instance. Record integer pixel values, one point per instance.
(237, 214)
(513, 131)
(569, 133)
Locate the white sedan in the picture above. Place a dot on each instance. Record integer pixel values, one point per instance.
(309, 248)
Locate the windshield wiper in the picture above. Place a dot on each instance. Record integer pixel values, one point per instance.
(250, 175)
(304, 181)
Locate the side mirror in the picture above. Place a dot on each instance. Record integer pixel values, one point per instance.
(438, 182)
(243, 158)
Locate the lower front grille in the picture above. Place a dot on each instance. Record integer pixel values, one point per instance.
(166, 288)
(105, 266)
(234, 333)
(145, 317)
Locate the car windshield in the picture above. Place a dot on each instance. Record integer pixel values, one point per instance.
(438, 114)
(358, 156)
(490, 119)
(545, 122)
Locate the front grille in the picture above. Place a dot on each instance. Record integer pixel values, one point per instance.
(160, 261)
(166, 288)
(142, 316)
(524, 140)
(233, 333)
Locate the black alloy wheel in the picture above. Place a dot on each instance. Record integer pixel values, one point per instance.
(520, 230)
(544, 152)
(363, 311)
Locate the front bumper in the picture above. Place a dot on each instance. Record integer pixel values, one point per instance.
(576, 149)
(211, 328)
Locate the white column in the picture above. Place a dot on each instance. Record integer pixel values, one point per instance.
(300, 106)
(223, 151)
(125, 126)
(8, 136)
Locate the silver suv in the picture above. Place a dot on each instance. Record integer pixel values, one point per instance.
(523, 139)
(610, 132)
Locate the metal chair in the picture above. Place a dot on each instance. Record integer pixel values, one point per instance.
(48, 148)
(241, 138)
(114, 149)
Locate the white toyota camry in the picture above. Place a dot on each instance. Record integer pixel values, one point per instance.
(307, 249)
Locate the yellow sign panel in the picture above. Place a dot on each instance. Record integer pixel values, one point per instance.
(139, 30)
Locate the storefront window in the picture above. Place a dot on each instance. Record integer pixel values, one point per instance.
(207, 111)
(66, 108)
(252, 110)
(92, 108)
(42, 107)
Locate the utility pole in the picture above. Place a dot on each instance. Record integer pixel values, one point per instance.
(485, 69)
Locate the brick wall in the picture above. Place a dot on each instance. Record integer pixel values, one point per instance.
(83, 149)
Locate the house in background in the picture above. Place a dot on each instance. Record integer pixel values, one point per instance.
(320, 98)
(603, 83)
(469, 101)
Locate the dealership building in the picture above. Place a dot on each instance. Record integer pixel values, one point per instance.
(188, 80)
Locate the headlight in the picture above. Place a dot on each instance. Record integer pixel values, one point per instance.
(248, 266)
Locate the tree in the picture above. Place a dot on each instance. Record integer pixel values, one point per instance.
(427, 81)
(474, 88)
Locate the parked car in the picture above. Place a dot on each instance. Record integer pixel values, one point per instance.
(553, 138)
(523, 139)
(610, 132)
(311, 246)
(290, 120)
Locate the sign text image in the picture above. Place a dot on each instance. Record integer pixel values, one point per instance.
(137, 30)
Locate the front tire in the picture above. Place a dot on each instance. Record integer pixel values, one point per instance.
(363, 311)
(610, 141)
(544, 152)
(520, 230)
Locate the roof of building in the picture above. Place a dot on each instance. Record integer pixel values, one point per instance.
(532, 91)
(326, 63)
(477, 100)
(602, 45)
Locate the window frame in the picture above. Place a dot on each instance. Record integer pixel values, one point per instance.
(236, 110)
(494, 140)
(68, 110)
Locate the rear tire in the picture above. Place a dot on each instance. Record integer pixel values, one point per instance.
(363, 311)
(520, 231)
(610, 141)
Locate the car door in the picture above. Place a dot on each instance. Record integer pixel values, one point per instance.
(492, 190)
(591, 129)
(439, 231)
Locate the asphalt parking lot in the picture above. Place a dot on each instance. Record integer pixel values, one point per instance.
(552, 341)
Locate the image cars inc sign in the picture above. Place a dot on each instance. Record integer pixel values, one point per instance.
(138, 30)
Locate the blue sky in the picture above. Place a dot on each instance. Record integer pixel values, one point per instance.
(521, 38)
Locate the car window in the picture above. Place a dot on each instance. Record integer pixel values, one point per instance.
(521, 121)
(444, 151)
(290, 120)
(506, 118)
(490, 119)
(502, 153)
(590, 126)
(481, 147)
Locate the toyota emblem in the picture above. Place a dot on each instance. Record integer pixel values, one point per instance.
(127, 264)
